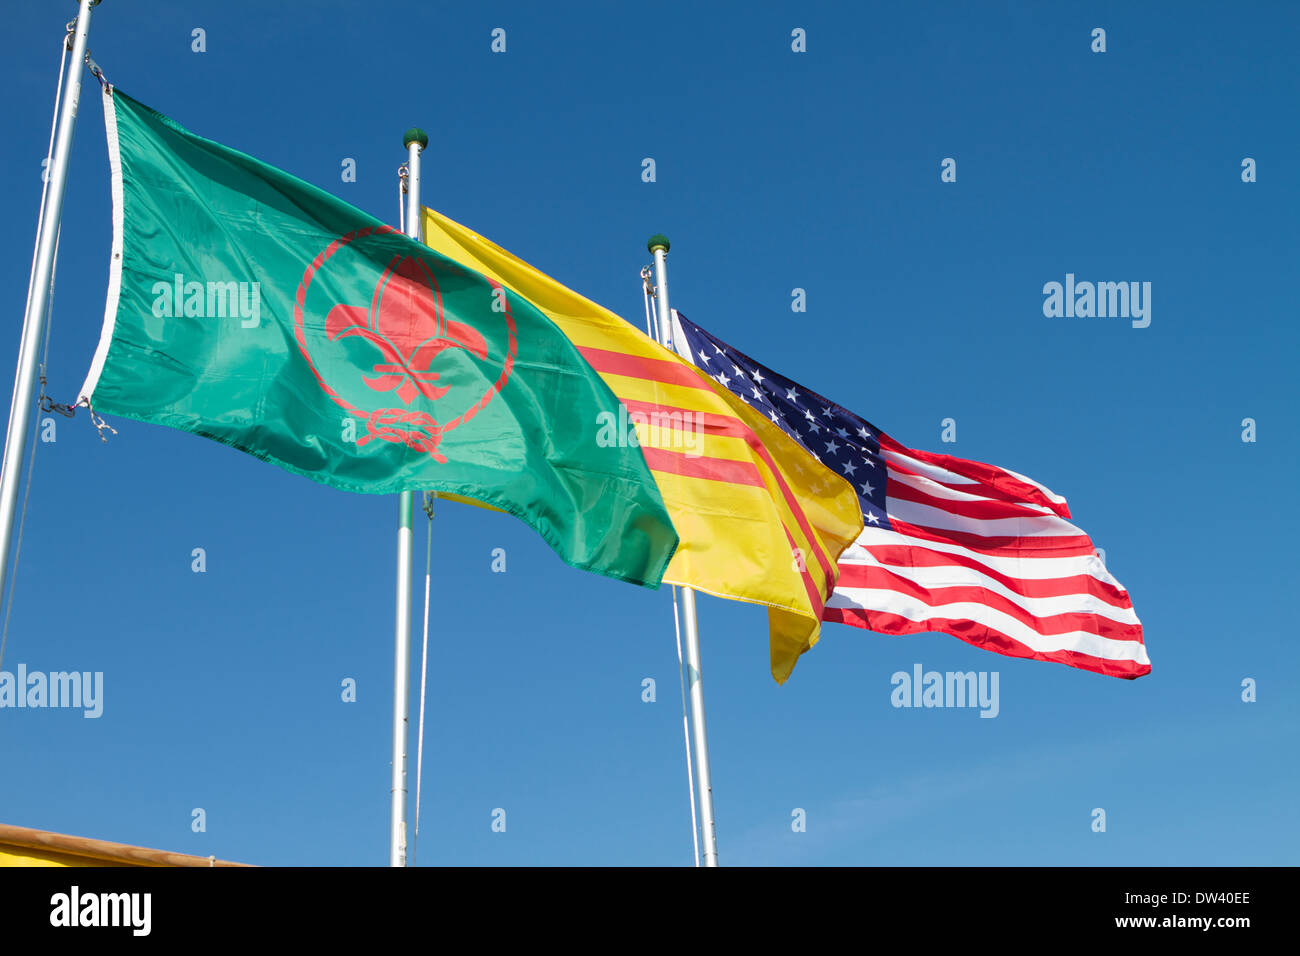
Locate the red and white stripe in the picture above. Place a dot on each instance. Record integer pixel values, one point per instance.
(986, 555)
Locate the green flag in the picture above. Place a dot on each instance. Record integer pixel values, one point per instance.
(247, 306)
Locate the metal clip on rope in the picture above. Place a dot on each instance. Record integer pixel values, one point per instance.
(48, 404)
(97, 73)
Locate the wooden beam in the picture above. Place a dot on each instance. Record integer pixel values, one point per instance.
(100, 849)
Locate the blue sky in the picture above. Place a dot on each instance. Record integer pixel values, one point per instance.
(775, 170)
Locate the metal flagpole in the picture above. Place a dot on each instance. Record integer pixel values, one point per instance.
(20, 409)
(414, 140)
(401, 682)
(686, 732)
(658, 246)
(648, 293)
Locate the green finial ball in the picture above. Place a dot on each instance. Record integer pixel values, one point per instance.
(657, 241)
(415, 135)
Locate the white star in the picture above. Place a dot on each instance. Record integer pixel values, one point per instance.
(814, 427)
(704, 359)
(826, 412)
(772, 415)
(864, 433)
(850, 467)
(872, 518)
(716, 350)
(808, 415)
(868, 462)
(842, 433)
(757, 393)
(832, 447)
(867, 489)
(757, 377)
(722, 378)
(791, 395)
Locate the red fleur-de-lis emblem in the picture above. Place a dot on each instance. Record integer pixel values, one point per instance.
(408, 329)
(404, 322)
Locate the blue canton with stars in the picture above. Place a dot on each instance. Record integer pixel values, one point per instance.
(836, 437)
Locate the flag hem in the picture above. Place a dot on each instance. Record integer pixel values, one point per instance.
(115, 260)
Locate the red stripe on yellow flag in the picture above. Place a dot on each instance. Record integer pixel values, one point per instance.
(760, 519)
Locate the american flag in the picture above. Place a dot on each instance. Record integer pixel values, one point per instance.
(948, 545)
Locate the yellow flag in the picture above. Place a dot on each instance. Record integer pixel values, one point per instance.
(759, 518)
